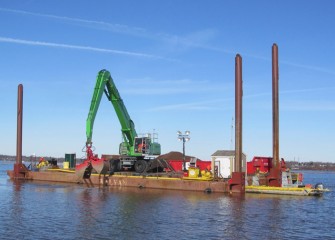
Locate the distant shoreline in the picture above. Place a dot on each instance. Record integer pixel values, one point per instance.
(28, 159)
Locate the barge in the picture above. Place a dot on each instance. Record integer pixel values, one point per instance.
(193, 180)
(296, 191)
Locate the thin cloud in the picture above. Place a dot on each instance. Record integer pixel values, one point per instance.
(161, 91)
(87, 48)
(289, 92)
(107, 26)
(287, 63)
(173, 87)
(208, 105)
(309, 67)
(307, 90)
(148, 81)
(195, 40)
(186, 106)
(309, 106)
(204, 105)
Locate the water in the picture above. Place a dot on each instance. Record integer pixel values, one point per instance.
(40, 210)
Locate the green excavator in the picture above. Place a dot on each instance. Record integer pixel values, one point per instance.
(135, 152)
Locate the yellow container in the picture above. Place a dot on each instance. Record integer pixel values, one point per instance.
(193, 172)
(66, 165)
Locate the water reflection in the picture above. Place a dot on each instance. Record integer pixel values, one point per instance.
(40, 210)
(17, 206)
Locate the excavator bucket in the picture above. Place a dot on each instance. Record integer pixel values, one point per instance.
(101, 166)
(85, 169)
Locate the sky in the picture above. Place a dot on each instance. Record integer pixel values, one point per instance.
(173, 63)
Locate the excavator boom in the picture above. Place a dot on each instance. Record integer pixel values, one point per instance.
(97, 95)
(105, 84)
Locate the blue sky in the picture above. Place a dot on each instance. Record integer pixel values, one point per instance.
(173, 63)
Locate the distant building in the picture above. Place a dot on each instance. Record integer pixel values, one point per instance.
(224, 161)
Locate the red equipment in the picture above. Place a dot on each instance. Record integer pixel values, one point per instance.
(262, 165)
(92, 162)
(177, 165)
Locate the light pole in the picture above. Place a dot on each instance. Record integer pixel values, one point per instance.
(184, 137)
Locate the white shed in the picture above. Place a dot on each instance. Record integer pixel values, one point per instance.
(224, 162)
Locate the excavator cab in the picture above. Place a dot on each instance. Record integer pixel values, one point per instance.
(145, 146)
(142, 145)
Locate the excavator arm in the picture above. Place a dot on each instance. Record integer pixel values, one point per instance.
(105, 84)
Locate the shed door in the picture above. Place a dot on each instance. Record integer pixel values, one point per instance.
(223, 166)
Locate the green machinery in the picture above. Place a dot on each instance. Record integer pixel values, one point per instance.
(135, 151)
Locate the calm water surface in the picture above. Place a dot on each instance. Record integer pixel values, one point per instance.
(40, 210)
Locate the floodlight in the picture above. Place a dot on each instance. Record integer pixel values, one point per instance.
(185, 138)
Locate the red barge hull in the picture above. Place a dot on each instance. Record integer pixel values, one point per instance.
(168, 183)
